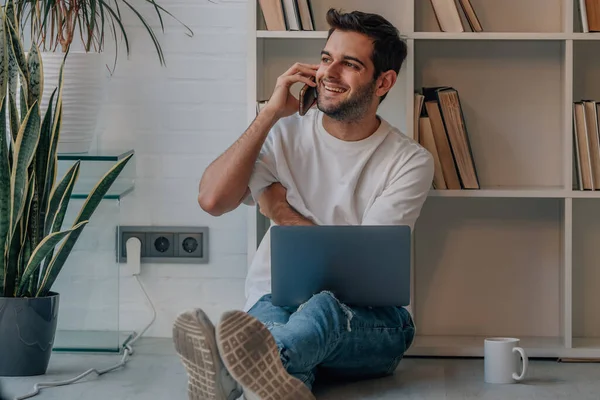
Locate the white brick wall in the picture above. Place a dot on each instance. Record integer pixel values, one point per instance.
(178, 119)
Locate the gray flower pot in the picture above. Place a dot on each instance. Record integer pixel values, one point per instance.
(27, 329)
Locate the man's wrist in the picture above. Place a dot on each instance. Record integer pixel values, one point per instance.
(270, 113)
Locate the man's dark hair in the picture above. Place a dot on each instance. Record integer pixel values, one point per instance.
(389, 51)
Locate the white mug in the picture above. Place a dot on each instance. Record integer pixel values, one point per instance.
(501, 361)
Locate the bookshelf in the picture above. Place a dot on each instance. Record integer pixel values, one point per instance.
(521, 255)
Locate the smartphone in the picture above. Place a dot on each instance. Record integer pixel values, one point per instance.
(308, 98)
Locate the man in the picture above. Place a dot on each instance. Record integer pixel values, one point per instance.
(340, 164)
(2, 394)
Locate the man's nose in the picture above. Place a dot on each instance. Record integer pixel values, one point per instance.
(332, 71)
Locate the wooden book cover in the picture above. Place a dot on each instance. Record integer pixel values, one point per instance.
(272, 11)
(469, 11)
(577, 172)
(592, 9)
(427, 140)
(447, 16)
(583, 145)
(306, 15)
(591, 122)
(418, 111)
(292, 15)
(456, 127)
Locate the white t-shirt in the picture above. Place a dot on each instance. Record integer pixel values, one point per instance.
(381, 180)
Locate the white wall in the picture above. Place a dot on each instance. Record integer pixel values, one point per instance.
(178, 119)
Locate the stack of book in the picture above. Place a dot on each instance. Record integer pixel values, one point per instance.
(441, 128)
(448, 17)
(287, 15)
(586, 148)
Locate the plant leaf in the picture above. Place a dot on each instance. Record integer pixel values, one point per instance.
(55, 135)
(24, 152)
(22, 103)
(91, 23)
(44, 187)
(59, 199)
(13, 248)
(3, 59)
(36, 78)
(161, 57)
(13, 72)
(23, 260)
(10, 12)
(5, 210)
(16, 247)
(43, 249)
(52, 154)
(115, 17)
(158, 7)
(15, 122)
(25, 221)
(19, 56)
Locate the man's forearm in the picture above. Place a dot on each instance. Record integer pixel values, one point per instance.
(286, 215)
(225, 181)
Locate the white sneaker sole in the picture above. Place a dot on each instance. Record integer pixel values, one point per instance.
(194, 339)
(250, 354)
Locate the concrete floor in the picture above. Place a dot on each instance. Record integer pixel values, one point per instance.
(155, 372)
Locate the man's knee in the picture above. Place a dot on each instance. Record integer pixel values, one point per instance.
(322, 299)
(326, 302)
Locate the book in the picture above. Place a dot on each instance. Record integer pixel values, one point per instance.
(427, 140)
(307, 18)
(273, 14)
(447, 15)
(456, 127)
(592, 13)
(472, 18)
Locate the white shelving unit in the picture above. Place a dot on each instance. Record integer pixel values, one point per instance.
(521, 256)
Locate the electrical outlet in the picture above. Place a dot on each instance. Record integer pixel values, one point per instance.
(191, 245)
(166, 244)
(123, 244)
(160, 244)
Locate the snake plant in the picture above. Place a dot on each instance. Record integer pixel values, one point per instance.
(33, 244)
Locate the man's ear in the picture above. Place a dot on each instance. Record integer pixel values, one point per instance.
(385, 82)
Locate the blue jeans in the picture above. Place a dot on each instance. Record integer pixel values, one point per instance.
(328, 338)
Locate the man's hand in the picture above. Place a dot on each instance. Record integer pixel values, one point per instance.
(282, 103)
(273, 205)
(272, 199)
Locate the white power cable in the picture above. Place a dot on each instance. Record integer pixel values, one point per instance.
(127, 347)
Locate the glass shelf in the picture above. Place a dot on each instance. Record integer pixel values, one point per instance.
(90, 341)
(117, 191)
(90, 282)
(94, 165)
(96, 155)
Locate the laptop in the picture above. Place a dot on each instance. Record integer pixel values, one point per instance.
(361, 265)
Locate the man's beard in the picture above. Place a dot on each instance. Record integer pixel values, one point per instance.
(351, 109)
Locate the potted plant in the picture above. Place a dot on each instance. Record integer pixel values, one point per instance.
(54, 25)
(33, 244)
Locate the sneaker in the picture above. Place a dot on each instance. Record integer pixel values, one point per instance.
(208, 379)
(250, 354)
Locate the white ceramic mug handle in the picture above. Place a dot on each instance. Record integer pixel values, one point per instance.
(525, 363)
